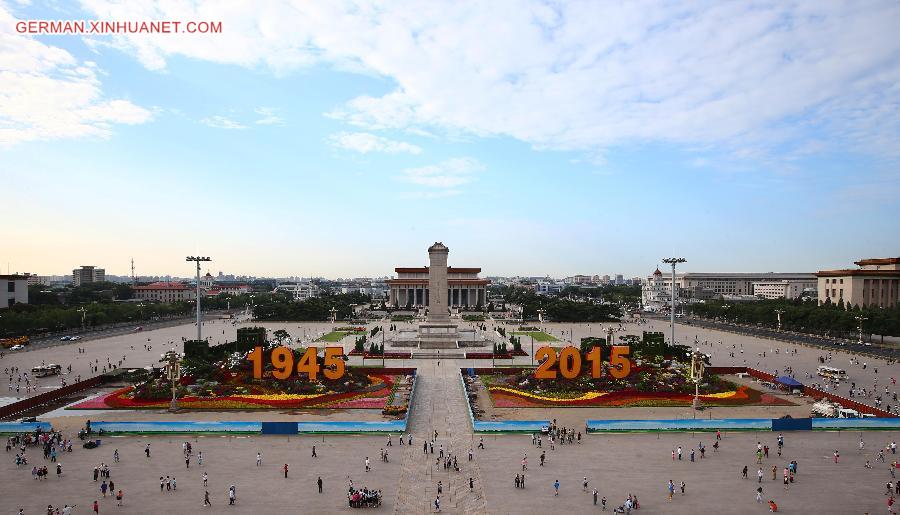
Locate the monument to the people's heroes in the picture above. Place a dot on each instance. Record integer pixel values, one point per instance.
(438, 332)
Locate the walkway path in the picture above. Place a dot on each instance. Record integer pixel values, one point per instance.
(440, 405)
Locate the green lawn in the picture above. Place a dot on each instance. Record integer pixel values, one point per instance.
(539, 336)
(333, 336)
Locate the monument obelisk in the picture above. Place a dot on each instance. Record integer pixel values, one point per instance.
(438, 332)
(437, 284)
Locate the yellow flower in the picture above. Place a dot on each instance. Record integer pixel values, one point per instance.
(586, 397)
(279, 396)
(722, 395)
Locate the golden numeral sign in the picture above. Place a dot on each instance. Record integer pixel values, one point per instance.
(569, 359)
(282, 359)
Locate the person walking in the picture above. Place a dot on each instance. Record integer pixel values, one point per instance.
(744, 472)
(759, 496)
(258, 459)
(314, 452)
(206, 499)
(319, 484)
(231, 495)
(671, 489)
(119, 497)
(285, 470)
(556, 488)
(205, 477)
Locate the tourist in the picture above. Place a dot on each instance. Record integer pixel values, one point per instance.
(556, 488)
(285, 470)
(319, 483)
(206, 498)
(119, 497)
(258, 459)
(367, 464)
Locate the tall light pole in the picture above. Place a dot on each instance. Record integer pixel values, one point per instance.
(860, 319)
(779, 312)
(673, 261)
(198, 260)
(82, 311)
(333, 314)
(540, 314)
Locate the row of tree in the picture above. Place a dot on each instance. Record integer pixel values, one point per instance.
(806, 316)
(278, 306)
(561, 310)
(22, 319)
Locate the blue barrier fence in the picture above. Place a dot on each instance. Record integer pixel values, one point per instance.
(500, 426)
(742, 424)
(700, 424)
(23, 427)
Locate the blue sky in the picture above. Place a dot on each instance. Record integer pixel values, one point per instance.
(532, 139)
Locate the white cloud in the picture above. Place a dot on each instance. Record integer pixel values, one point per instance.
(222, 122)
(269, 116)
(364, 142)
(448, 174)
(750, 77)
(47, 93)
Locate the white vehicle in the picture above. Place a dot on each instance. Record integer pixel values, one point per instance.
(17, 347)
(848, 413)
(832, 373)
(74, 338)
(46, 370)
(65, 338)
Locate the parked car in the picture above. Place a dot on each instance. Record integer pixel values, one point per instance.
(74, 338)
(65, 338)
(17, 347)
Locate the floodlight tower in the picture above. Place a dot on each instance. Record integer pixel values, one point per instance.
(673, 261)
(779, 312)
(198, 260)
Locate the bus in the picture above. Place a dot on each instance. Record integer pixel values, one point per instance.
(46, 370)
(832, 373)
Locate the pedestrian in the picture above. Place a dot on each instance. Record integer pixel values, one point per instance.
(205, 477)
(162, 483)
(258, 458)
(200, 458)
(174, 484)
(119, 497)
(147, 450)
(314, 451)
(584, 484)
(682, 487)
(556, 488)
(671, 489)
(759, 475)
(319, 484)
(206, 499)
(285, 470)
(594, 494)
(759, 492)
(231, 495)
(367, 464)
(96, 506)
(744, 472)
(471, 484)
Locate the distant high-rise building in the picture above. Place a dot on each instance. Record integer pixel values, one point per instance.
(620, 279)
(87, 274)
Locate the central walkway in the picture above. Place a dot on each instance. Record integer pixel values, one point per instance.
(439, 405)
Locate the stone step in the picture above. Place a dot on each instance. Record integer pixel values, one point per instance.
(439, 355)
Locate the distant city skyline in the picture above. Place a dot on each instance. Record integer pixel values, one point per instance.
(326, 139)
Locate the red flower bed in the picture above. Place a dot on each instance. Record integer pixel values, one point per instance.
(375, 399)
(743, 396)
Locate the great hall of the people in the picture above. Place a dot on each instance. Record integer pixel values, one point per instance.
(410, 288)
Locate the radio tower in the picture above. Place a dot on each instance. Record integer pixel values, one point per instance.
(133, 282)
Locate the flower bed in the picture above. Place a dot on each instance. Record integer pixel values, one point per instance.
(375, 397)
(506, 397)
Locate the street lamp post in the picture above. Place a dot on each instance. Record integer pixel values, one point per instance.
(779, 312)
(860, 319)
(540, 314)
(673, 261)
(333, 315)
(198, 260)
(82, 311)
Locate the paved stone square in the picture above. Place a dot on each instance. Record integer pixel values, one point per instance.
(617, 465)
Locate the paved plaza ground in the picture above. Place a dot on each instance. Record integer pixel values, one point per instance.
(616, 465)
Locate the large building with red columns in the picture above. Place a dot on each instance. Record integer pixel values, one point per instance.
(464, 288)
